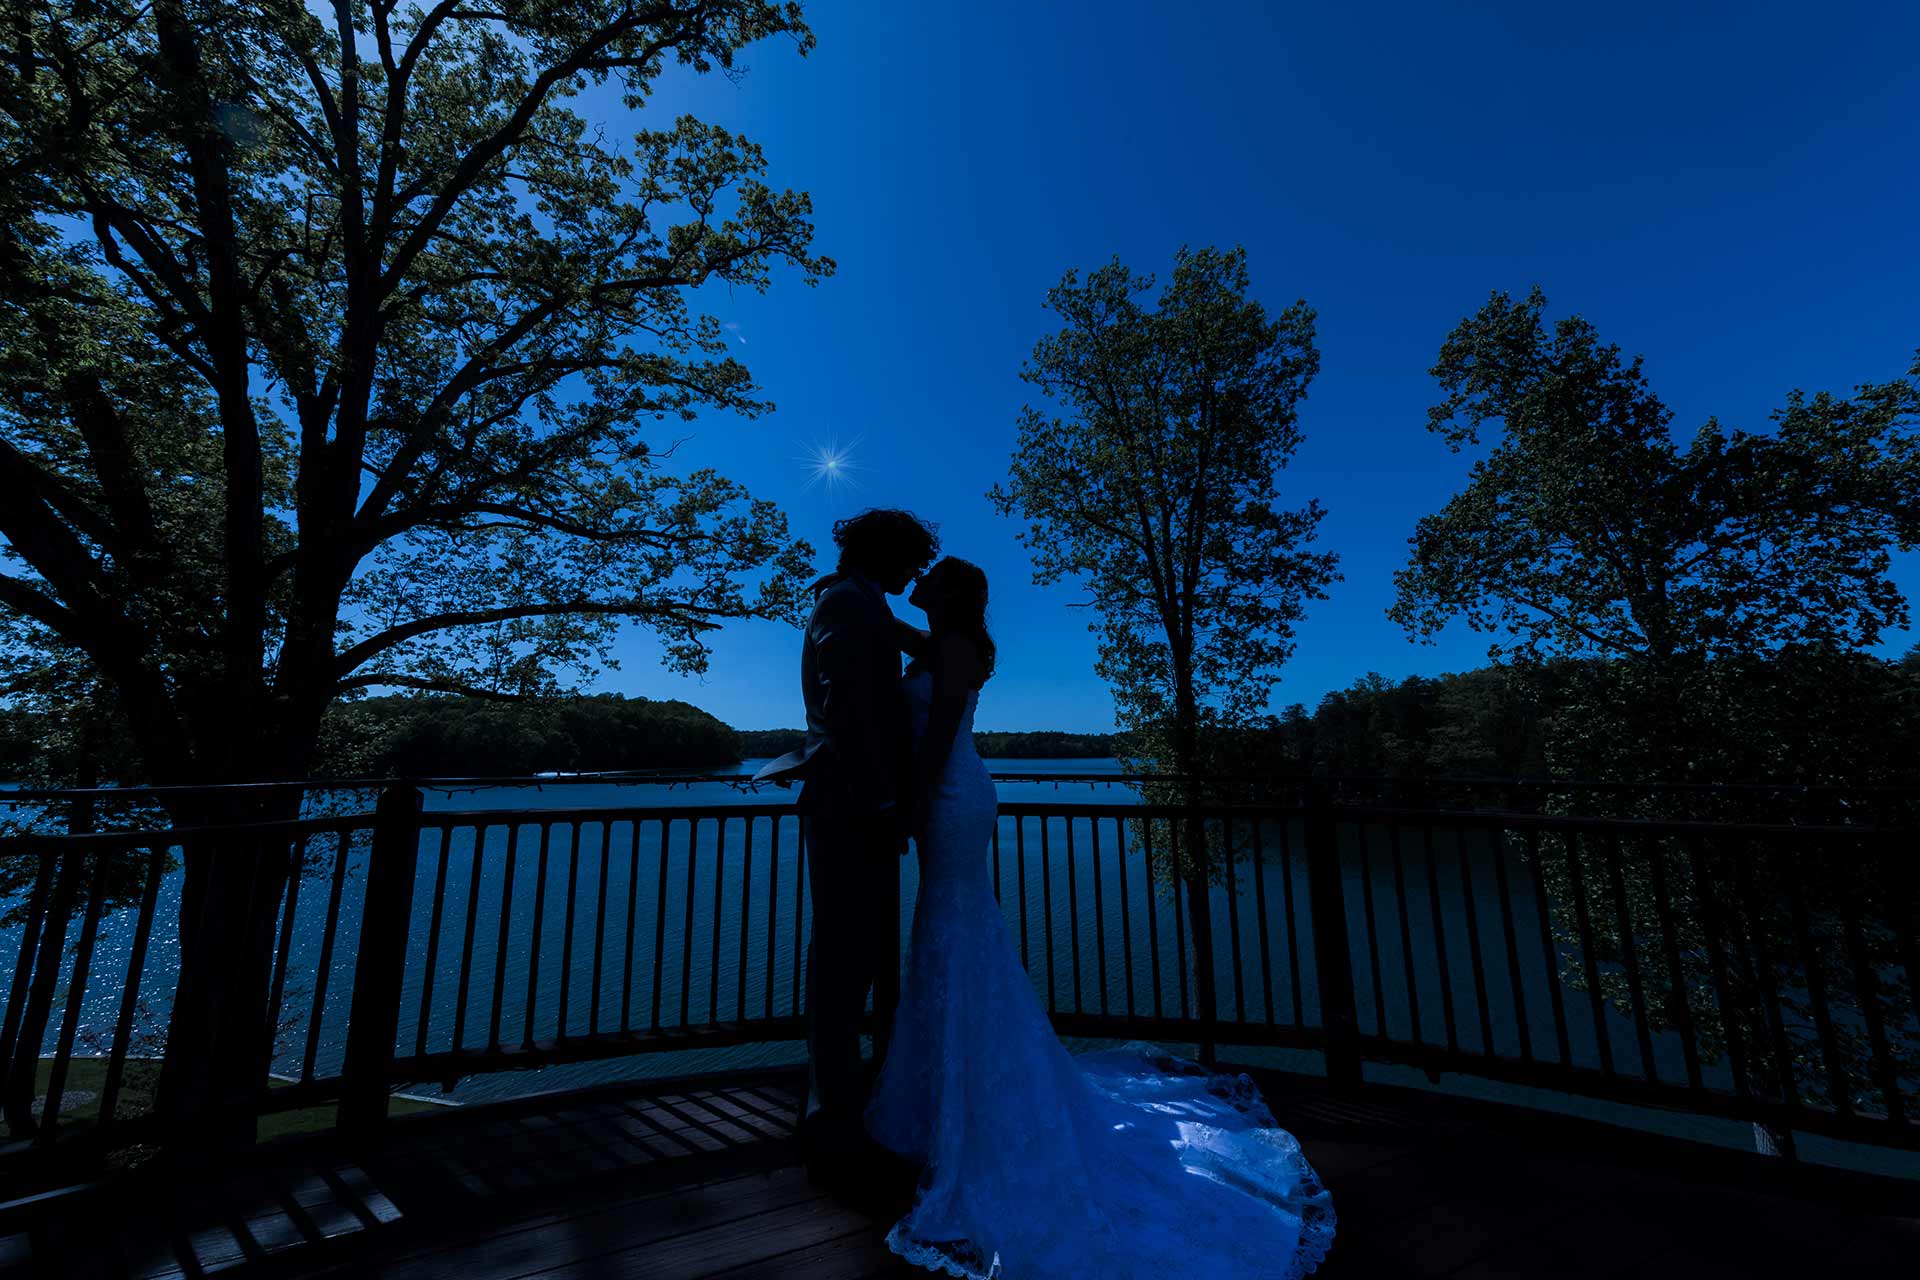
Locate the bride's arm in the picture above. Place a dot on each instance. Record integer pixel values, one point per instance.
(955, 669)
(911, 639)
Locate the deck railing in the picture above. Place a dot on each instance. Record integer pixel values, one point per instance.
(1762, 971)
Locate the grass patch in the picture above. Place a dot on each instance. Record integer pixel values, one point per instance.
(87, 1079)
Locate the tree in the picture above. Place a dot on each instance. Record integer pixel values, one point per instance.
(330, 349)
(1587, 532)
(1157, 488)
(1707, 591)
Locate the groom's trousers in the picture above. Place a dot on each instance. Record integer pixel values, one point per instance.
(853, 873)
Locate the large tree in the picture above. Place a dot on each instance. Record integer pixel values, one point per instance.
(332, 340)
(1156, 486)
(1715, 596)
(1587, 531)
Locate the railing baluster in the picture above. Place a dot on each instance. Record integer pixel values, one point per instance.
(1474, 952)
(1179, 916)
(1440, 941)
(1886, 1075)
(539, 919)
(746, 907)
(76, 997)
(1293, 929)
(1332, 944)
(1153, 917)
(1754, 949)
(633, 929)
(1681, 1006)
(466, 946)
(1073, 920)
(1630, 953)
(686, 933)
(773, 898)
(297, 861)
(1839, 1088)
(1260, 914)
(506, 919)
(566, 932)
(1733, 1020)
(1373, 933)
(799, 912)
(1505, 892)
(1596, 994)
(1020, 873)
(1549, 952)
(130, 999)
(1126, 909)
(433, 940)
(660, 926)
(719, 887)
(1046, 910)
(600, 924)
(23, 968)
(324, 974)
(1099, 915)
(1406, 928)
(996, 859)
(1233, 918)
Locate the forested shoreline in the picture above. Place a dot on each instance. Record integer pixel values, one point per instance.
(1801, 716)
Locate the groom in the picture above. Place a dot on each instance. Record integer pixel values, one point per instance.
(855, 797)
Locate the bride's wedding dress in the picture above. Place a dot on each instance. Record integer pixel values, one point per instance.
(1043, 1165)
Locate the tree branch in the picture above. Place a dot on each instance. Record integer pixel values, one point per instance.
(370, 648)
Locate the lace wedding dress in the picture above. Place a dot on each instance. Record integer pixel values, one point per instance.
(1043, 1165)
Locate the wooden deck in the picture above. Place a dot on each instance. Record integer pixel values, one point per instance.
(650, 1181)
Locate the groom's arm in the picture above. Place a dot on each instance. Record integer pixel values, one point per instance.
(846, 640)
(911, 639)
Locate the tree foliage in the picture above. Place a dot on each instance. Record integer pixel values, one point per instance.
(1157, 488)
(1720, 594)
(332, 347)
(1588, 531)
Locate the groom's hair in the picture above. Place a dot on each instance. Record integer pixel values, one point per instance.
(884, 538)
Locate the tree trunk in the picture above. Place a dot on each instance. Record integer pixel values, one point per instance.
(1193, 866)
(219, 1043)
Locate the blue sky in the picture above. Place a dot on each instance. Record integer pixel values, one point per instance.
(1732, 191)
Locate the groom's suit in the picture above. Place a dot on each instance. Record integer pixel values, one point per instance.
(856, 771)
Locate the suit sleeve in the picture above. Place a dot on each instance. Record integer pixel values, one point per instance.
(847, 639)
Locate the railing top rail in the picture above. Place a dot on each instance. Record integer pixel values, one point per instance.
(1514, 820)
(746, 782)
(448, 819)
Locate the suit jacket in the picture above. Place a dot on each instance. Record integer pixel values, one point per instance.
(857, 759)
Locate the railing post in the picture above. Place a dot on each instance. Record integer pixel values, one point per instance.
(1333, 960)
(374, 1018)
(1200, 910)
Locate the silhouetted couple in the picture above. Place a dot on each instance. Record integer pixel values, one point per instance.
(992, 1150)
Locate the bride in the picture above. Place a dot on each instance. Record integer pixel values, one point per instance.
(1040, 1165)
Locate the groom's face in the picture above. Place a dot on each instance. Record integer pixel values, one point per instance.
(898, 577)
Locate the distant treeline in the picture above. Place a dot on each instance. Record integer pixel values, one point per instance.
(1807, 716)
(454, 737)
(1041, 744)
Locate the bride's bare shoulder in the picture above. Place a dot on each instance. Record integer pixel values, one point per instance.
(956, 659)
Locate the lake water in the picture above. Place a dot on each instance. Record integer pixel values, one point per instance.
(679, 923)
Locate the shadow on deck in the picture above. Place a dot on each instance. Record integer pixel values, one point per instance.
(700, 1180)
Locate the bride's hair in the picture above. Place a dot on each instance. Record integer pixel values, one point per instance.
(967, 603)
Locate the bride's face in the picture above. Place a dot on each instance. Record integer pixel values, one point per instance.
(929, 593)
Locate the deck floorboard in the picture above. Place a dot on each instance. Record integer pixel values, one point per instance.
(699, 1181)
